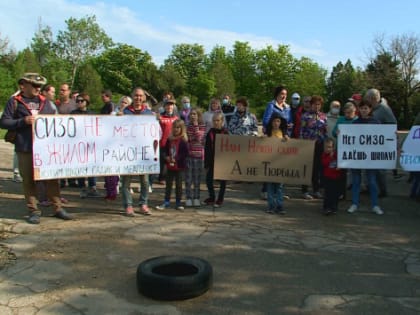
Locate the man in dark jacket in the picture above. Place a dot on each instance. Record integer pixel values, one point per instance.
(19, 115)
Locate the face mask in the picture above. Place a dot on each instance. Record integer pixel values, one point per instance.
(335, 111)
(295, 102)
(225, 102)
(186, 105)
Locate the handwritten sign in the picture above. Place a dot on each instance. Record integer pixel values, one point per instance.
(410, 153)
(367, 146)
(263, 159)
(90, 145)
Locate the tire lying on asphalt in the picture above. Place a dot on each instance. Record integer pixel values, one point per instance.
(174, 277)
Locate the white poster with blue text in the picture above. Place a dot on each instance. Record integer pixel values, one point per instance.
(367, 146)
(410, 151)
(95, 145)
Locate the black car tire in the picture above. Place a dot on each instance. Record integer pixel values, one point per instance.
(174, 277)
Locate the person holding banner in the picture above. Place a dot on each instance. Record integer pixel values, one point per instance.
(382, 113)
(209, 150)
(139, 107)
(314, 127)
(277, 127)
(19, 115)
(365, 110)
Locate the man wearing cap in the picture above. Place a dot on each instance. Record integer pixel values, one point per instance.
(19, 115)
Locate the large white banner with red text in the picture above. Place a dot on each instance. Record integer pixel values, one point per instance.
(91, 145)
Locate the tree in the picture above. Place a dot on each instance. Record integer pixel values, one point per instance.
(83, 38)
(220, 69)
(124, 67)
(341, 83)
(188, 60)
(309, 78)
(243, 61)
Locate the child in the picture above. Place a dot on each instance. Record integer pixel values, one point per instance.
(365, 117)
(196, 135)
(332, 176)
(276, 127)
(209, 149)
(176, 153)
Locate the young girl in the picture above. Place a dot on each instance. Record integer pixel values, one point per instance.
(175, 155)
(365, 110)
(331, 176)
(196, 135)
(209, 149)
(276, 127)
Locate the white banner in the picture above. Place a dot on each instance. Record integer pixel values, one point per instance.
(90, 145)
(367, 146)
(410, 152)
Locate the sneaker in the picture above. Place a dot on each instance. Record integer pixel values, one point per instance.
(83, 194)
(353, 208)
(286, 197)
(129, 212)
(45, 203)
(263, 195)
(377, 210)
(34, 218)
(209, 201)
(150, 189)
(307, 196)
(280, 210)
(17, 178)
(93, 193)
(270, 210)
(163, 206)
(110, 198)
(64, 200)
(218, 203)
(179, 207)
(317, 195)
(144, 209)
(63, 215)
(196, 203)
(327, 211)
(131, 191)
(188, 203)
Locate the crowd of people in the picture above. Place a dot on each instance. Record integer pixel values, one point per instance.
(187, 146)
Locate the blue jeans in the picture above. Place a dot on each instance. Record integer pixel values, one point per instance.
(355, 189)
(274, 195)
(127, 198)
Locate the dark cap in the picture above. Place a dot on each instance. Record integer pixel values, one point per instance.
(34, 78)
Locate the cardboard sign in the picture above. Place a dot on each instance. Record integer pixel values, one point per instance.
(255, 159)
(410, 152)
(90, 145)
(367, 146)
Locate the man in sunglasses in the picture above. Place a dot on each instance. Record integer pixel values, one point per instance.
(19, 115)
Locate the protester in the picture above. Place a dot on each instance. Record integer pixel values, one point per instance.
(365, 109)
(214, 107)
(332, 175)
(19, 115)
(227, 108)
(196, 137)
(175, 155)
(186, 109)
(332, 117)
(242, 121)
(209, 152)
(314, 127)
(83, 102)
(277, 127)
(139, 107)
(166, 120)
(108, 106)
